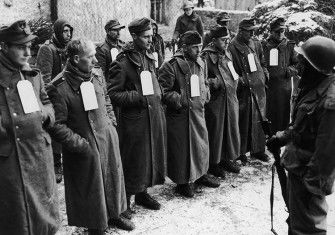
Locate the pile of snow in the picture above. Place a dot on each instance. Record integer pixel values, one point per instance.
(303, 19)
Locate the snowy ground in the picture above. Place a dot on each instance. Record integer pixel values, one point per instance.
(239, 206)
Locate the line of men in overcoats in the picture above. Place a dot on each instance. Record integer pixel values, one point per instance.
(180, 119)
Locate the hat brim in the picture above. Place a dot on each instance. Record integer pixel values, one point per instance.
(24, 40)
(117, 27)
(188, 8)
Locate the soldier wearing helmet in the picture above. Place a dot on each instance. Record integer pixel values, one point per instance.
(310, 139)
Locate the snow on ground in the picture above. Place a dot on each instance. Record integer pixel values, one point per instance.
(240, 206)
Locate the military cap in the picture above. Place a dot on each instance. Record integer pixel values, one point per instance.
(191, 38)
(278, 23)
(223, 17)
(16, 33)
(247, 24)
(188, 4)
(113, 24)
(139, 25)
(219, 32)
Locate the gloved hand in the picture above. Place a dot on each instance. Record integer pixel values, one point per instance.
(273, 144)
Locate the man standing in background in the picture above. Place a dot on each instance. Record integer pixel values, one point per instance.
(105, 53)
(189, 21)
(51, 59)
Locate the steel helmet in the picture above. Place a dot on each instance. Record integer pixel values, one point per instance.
(320, 53)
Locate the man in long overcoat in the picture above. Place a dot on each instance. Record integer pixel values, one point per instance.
(94, 183)
(188, 148)
(310, 140)
(189, 21)
(28, 192)
(249, 63)
(282, 72)
(221, 111)
(142, 127)
(51, 60)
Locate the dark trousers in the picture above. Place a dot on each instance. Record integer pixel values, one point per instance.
(308, 211)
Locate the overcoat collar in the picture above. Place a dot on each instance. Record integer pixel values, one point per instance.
(214, 53)
(135, 56)
(244, 48)
(10, 69)
(183, 64)
(74, 77)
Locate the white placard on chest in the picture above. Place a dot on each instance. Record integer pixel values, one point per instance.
(114, 53)
(146, 83)
(195, 85)
(27, 96)
(232, 70)
(274, 57)
(88, 95)
(252, 62)
(155, 54)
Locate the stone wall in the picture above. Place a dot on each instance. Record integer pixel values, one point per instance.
(90, 16)
(24, 9)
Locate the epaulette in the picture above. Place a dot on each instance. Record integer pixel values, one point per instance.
(172, 61)
(121, 56)
(58, 80)
(330, 97)
(100, 44)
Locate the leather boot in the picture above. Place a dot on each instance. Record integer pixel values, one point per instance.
(186, 190)
(207, 181)
(145, 200)
(122, 223)
(217, 171)
(230, 166)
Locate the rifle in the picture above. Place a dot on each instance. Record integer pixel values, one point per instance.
(266, 126)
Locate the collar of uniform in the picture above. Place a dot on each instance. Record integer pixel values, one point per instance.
(271, 43)
(134, 55)
(242, 47)
(214, 53)
(74, 77)
(183, 63)
(112, 43)
(5, 74)
(319, 91)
